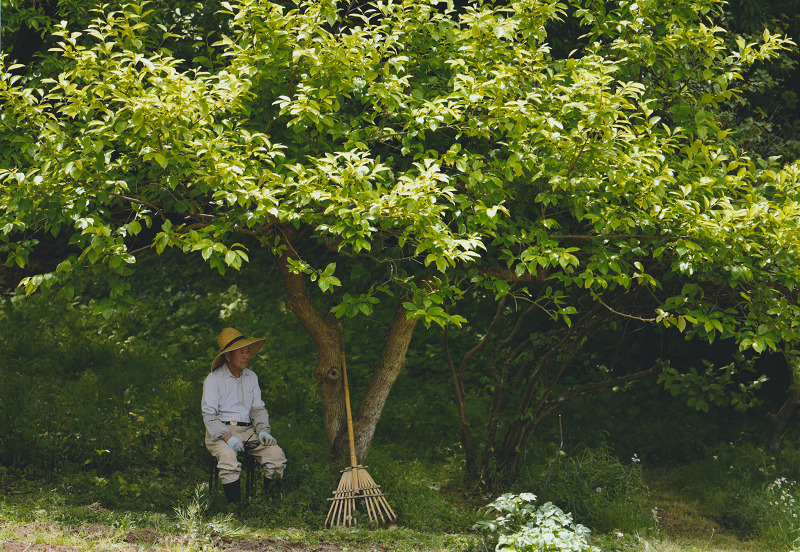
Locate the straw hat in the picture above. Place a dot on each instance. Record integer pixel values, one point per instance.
(231, 339)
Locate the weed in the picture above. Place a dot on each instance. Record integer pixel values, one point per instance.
(127, 521)
(200, 530)
(752, 491)
(600, 490)
(782, 527)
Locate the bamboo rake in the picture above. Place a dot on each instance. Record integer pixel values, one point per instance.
(356, 484)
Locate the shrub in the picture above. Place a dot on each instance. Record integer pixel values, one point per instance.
(519, 525)
(602, 491)
(414, 493)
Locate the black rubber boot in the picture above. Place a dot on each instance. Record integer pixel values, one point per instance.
(233, 492)
(272, 487)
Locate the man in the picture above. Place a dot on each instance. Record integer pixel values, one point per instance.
(235, 417)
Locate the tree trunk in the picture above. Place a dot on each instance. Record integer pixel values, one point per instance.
(534, 400)
(464, 430)
(391, 363)
(457, 378)
(328, 336)
(500, 378)
(777, 422)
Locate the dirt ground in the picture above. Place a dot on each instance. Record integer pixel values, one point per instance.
(149, 539)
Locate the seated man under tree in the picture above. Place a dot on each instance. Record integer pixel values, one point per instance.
(236, 417)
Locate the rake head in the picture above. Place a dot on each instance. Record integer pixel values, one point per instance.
(356, 486)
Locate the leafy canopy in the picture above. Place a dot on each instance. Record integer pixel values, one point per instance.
(446, 149)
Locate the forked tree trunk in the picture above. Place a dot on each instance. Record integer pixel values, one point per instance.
(457, 379)
(391, 363)
(539, 386)
(328, 336)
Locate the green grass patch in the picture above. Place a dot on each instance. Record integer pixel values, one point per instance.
(39, 511)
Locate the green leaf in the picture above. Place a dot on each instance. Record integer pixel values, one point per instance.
(138, 118)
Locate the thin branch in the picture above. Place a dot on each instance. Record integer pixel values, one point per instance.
(486, 336)
(385, 136)
(145, 248)
(188, 194)
(599, 386)
(630, 316)
(135, 201)
(257, 232)
(577, 156)
(611, 236)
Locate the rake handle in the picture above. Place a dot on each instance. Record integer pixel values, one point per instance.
(350, 435)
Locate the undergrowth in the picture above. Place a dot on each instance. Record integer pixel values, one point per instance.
(105, 413)
(751, 491)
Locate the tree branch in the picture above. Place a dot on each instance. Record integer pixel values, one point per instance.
(599, 386)
(630, 316)
(135, 201)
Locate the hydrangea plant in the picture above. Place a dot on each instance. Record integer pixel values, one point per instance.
(516, 524)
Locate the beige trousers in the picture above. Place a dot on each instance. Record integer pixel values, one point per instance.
(272, 457)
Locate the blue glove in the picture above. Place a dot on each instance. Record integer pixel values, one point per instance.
(236, 444)
(267, 439)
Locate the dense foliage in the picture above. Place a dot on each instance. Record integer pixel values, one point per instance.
(422, 158)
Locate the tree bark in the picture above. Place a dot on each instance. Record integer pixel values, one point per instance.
(327, 334)
(392, 361)
(465, 432)
(523, 426)
(776, 422)
(534, 400)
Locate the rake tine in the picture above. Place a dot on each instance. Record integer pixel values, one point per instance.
(355, 484)
(354, 481)
(333, 509)
(350, 505)
(338, 510)
(350, 502)
(373, 497)
(367, 498)
(378, 498)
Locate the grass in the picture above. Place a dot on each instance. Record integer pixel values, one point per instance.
(43, 512)
(35, 516)
(685, 524)
(40, 511)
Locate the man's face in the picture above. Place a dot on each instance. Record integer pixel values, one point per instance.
(238, 359)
